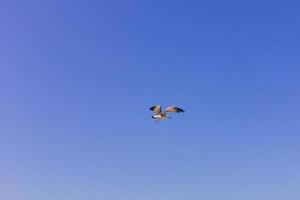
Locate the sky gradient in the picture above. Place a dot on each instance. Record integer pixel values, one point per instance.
(77, 79)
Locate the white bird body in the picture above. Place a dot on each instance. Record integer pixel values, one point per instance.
(160, 117)
(156, 116)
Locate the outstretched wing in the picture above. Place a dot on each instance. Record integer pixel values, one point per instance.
(156, 109)
(174, 109)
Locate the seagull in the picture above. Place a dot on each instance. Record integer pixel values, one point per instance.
(159, 115)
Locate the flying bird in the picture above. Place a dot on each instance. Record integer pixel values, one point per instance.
(159, 115)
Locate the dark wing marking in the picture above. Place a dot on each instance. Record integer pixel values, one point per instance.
(174, 109)
(156, 109)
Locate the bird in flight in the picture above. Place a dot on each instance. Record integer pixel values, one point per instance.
(159, 115)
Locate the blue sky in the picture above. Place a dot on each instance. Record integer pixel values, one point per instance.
(77, 79)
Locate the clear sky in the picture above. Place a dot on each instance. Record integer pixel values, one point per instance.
(77, 79)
